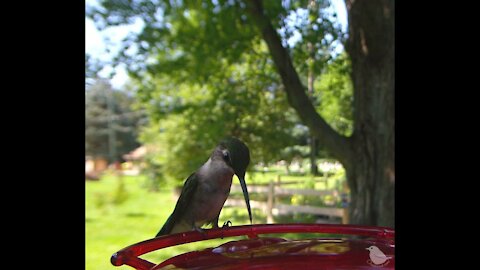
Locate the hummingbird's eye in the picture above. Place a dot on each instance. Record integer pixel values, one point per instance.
(226, 156)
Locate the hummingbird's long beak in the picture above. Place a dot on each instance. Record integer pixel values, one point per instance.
(245, 195)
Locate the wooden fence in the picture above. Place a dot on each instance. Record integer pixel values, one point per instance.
(275, 189)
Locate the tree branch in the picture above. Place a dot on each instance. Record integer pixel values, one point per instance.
(337, 144)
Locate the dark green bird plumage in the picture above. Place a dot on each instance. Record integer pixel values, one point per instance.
(205, 191)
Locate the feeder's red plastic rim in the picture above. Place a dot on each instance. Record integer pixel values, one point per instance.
(129, 255)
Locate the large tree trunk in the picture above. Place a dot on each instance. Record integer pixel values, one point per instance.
(370, 170)
(368, 155)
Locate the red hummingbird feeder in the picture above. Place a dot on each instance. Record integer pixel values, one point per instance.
(351, 247)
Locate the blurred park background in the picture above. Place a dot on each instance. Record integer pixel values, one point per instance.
(308, 85)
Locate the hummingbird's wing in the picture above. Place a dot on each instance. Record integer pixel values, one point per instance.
(182, 205)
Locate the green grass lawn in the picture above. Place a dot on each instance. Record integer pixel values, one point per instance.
(111, 227)
(121, 215)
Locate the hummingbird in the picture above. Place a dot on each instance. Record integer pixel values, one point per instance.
(206, 190)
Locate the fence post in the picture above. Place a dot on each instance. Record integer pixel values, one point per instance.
(345, 203)
(345, 219)
(271, 193)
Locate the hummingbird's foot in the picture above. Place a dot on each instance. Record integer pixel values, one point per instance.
(200, 230)
(227, 224)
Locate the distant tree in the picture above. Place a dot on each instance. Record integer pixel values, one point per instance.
(334, 95)
(188, 119)
(102, 121)
(92, 67)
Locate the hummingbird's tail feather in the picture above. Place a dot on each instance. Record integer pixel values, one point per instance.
(167, 227)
